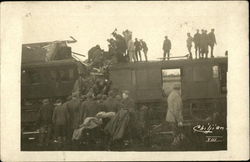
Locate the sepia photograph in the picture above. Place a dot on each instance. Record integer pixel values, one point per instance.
(128, 76)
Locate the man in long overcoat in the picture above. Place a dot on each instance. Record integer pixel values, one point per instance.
(174, 113)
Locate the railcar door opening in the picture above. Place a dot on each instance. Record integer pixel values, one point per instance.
(170, 77)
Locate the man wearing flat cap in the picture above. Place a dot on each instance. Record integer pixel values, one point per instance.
(166, 48)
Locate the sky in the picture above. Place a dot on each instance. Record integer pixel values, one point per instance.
(91, 23)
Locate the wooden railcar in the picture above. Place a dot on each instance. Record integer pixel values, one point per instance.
(203, 84)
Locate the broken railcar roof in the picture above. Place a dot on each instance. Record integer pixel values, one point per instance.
(56, 63)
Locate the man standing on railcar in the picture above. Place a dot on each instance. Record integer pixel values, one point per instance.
(138, 49)
(197, 37)
(174, 113)
(166, 48)
(189, 45)
(212, 42)
(144, 49)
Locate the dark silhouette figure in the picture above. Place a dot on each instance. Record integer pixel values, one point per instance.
(166, 48)
(197, 37)
(137, 49)
(212, 42)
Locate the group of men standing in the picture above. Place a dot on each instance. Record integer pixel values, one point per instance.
(202, 42)
(121, 48)
(131, 50)
(63, 118)
(134, 50)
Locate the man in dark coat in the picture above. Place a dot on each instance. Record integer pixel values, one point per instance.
(73, 107)
(60, 119)
(89, 108)
(137, 49)
(92, 52)
(111, 104)
(121, 46)
(204, 44)
(212, 42)
(166, 48)
(144, 49)
(45, 122)
(197, 37)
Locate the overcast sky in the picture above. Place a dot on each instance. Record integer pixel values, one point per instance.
(91, 23)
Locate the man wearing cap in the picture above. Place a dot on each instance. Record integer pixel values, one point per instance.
(174, 113)
(89, 108)
(166, 48)
(73, 107)
(60, 119)
(111, 104)
(45, 122)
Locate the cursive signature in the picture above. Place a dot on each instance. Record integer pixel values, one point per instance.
(209, 128)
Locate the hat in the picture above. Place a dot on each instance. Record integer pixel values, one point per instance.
(89, 95)
(176, 86)
(126, 91)
(45, 101)
(75, 94)
(58, 101)
(69, 97)
(99, 96)
(111, 93)
(104, 97)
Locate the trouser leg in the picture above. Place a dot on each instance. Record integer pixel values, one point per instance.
(196, 49)
(136, 55)
(168, 52)
(164, 55)
(41, 135)
(133, 56)
(48, 135)
(146, 57)
(139, 52)
(212, 51)
(130, 56)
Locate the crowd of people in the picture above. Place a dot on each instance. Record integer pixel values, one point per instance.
(65, 122)
(121, 48)
(202, 41)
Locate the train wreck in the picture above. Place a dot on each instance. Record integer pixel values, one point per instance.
(112, 93)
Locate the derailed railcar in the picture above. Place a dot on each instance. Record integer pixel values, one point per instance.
(203, 85)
